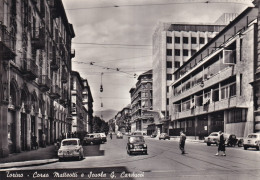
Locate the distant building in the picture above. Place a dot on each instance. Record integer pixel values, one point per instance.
(123, 119)
(141, 101)
(88, 104)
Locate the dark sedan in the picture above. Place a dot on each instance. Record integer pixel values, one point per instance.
(136, 144)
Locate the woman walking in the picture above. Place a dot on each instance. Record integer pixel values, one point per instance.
(221, 145)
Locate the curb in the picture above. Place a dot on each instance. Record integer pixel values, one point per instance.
(27, 163)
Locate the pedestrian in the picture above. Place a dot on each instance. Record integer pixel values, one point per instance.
(221, 145)
(182, 142)
(111, 135)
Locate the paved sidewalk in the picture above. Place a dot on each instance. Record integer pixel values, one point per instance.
(29, 158)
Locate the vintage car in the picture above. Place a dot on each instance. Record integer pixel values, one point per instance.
(164, 136)
(252, 140)
(93, 138)
(153, 135)
(136, 144)
(119, 135)
(213, 138)
(70, 148)
(103, 137)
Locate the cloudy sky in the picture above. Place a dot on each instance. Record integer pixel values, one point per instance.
(116, 37)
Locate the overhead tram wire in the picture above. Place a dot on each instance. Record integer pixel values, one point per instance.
(164, 4)
(107, 68)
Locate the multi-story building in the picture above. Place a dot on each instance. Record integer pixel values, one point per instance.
(88, 104)
(79, 111)
(35, 48)
(123, 119)
(173, 45)
(214, 89)
(141, 101)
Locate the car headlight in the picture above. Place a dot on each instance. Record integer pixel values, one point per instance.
(145, 145)
(131, 146)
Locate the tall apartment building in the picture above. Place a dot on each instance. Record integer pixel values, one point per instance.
(141, 101)
(173, 45)
(88, 104)
(216, 88)
(79, 111)
(123, 118)
(35, 65)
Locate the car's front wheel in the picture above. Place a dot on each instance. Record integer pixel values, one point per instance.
(258, 147)
(60, 159)
(208, 144)
(245, 147)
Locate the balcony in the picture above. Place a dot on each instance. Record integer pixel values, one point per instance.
(55, 64)
(29, 69)
(72, 53)
(44, 83)
(64, 97)
(64, 78)
(55, 92)
(38, 39)
(7, 44)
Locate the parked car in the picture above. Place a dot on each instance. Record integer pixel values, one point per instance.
(214, 137)
(69, 148)
(136, 144)
(231, 139)
(119, 135)
(94, 138)
(252, 140)
(153, 135)
(164, 136)
(103, 137)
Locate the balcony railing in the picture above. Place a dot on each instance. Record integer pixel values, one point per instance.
(55, 63)
(7, 44)
(44, 83)
(55, 92)
(38, 39)
(29, 69)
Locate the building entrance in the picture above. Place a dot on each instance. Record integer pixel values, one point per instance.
(23, 131)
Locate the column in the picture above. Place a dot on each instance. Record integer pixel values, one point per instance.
(209, 124)
(18, 130)
(225, 120)
(196, 127)
(28, 132)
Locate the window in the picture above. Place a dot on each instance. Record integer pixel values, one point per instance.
(177, 64)
(167, 101)
(167, 89)
(224, 92)
(177, 40)
(177, 52)
(193, 51)
(193, 40)
(169, 52)
(237, 115)
(169, 39)
(232, 88)
(202, 40)
(185, 52)
(185, 40)
(169, 77)
(169, 64)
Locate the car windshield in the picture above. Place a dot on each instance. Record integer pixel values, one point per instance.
(252, 136)
(69, 142)
(136, 139)
(213, 134)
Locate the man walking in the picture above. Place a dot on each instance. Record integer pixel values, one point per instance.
(182, 142)
(221, 145)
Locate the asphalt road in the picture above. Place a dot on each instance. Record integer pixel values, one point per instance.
(164, 161)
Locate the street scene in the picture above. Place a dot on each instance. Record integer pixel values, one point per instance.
(130, 89)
